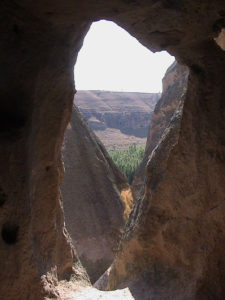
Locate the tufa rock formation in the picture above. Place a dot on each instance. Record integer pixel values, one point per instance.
(94, 210)
(175, 239)
(174, 243)
(174, 87)
(118, 118)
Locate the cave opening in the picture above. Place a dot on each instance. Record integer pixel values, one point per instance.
(175, 246)
(119, 82)
(119, 85)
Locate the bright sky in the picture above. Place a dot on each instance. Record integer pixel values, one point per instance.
(111, 59)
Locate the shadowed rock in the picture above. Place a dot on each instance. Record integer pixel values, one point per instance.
(91, 191)
(174, 236)
(174, 87)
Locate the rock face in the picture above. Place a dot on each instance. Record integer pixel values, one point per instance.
(174, 243)
(125, 115)
(175, 235)
(91, 192)
(220, 40)
(174, 87)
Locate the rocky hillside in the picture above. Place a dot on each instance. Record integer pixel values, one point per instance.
(94, 210)
(118, 118)
(174, 86)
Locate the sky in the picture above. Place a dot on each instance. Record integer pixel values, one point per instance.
(112, 60)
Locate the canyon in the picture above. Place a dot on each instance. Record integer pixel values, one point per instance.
(173, 242)
(119, 119)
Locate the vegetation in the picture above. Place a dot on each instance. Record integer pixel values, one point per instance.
(128, 201)
(128, 160)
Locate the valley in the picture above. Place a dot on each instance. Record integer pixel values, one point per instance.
(119, 119)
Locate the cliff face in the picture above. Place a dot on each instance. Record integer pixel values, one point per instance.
(126, 115)
(175, 234)
(91, 192)
(174, 87)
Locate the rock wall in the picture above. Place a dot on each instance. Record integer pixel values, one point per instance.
(174, 87)
(175, 236)
(37, 92)
(174, 245)
(91, 192)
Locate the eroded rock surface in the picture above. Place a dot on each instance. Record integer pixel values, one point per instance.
(91, 191)
(220, 40)
(174, 243)
(175, 236)
(174, 87)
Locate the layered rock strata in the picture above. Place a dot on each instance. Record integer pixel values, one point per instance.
(91, 191)
(118, 118)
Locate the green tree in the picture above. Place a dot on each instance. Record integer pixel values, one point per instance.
(128, 160)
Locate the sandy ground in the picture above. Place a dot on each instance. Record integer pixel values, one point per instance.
(69, 291)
